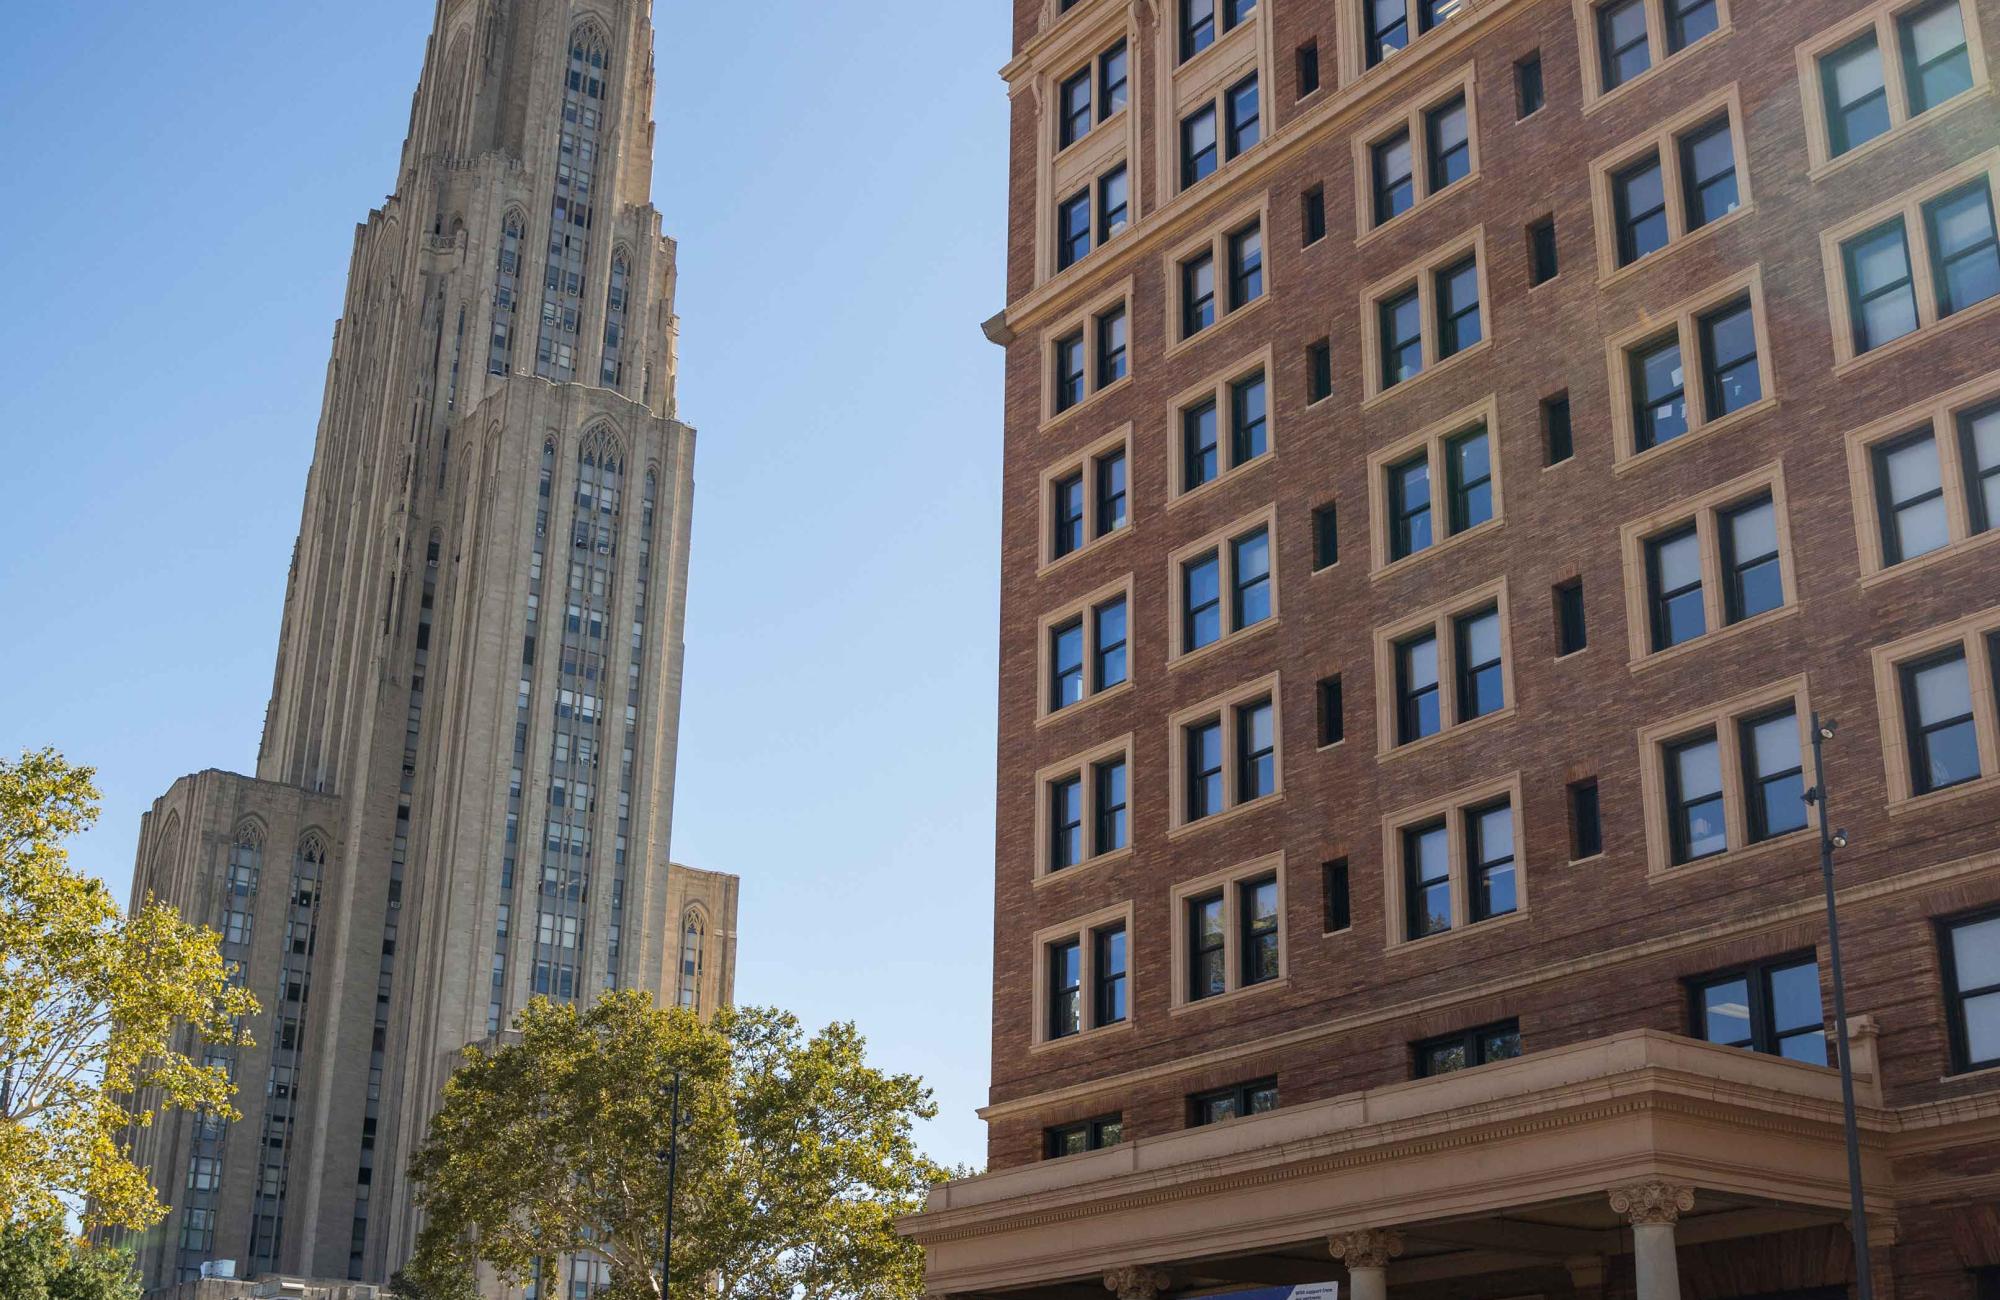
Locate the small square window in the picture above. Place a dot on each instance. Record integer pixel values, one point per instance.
(1529, 96)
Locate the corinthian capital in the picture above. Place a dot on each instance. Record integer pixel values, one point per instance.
(1655, 1202)
(1366, 1247)
(1136, 1283)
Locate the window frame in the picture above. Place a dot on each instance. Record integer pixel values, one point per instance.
(1240, 1093)
(1084, 320)
(1083, 931)
(1082, 46)
(1083, 766)
(1084, 611)
(1423, 276)
(1724, 721)
(1765, 1038)
(1596, 93)
(1413, 117)
(1358, 30)
(1683, 321)
(1218, 102)
(1225, 709)
(1473, 1039)
(1959, 1058)
(1453, 813)
(1221, 388)
(1215, 241)
(1442, 621)
(1909, 207)
(1094, 1141)
(1663, 144)
(1228, 883)
(1706, 513)
(1943, 418)
(1222, 542)
(1882, 20)
(1096, 529)
(1432, 443)
(1973, 636)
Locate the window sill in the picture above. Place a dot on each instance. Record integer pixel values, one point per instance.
(1978, 1074)
(1069, 711)
(1805, 837)
(1223, 322)
(1599, 856)
(1184, 1006)
(1229, 475)
(1410, 562)
(1964, 99)
(1848, 365)
(1949, 551)
(1603, 97)
(1641, 459)
(1403, 218)
(1326, 749)
(1382, 395)
(1654, 658)
(1430, 941)
(1196, 63)
(1618, 274)
(1391, 752)
(1574, 654)
(1185, 829)
(1064, 416)
(1087, 1035)
(1923, 803)
(1046, 877)
(1063, 151)
(1214, 648)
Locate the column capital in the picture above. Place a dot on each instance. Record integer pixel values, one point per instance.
(1365, 1247)
(1137, 1282)
(1652, 1202)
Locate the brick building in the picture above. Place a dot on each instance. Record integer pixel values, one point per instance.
(1453, 447)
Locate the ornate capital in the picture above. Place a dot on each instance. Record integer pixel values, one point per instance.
(1652, 1202)
(1366, 1247)
(1136, 1283)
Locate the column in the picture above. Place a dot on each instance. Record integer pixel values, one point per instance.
(1653, 1209)
(1136, 1283)
(1367, 1252)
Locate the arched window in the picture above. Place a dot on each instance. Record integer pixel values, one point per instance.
(506, 294)
(614, 323)
(246, 862)
(694, 956)
(585, 91)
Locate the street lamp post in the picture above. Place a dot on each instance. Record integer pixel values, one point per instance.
(672, 1158)
(1829, 840)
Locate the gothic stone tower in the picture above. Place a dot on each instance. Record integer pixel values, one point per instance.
(464, 790)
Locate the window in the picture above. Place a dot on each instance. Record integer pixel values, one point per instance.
(1586, 821)
(1930, 478)
(1086, 808)
(1246, 266)
(1066, 660)
(1463, 461)
(1258, 1098)
(1631, 37)
(1203, 20)
(1468, 1050)
(1726, 778)
(1942, 727)
(1712, 563)
(1083, 983)
(1489, 855)
(1069, 371)
(1773, 1008)
(1074, 103)
(1111, 346)
(1088, 647)
(1208, 944)
(1937, 692)
(1319, 371)
(204, 1174)
(1572, 631)
(1445, 667)
(1558, 440)
(1438, 131)
(1227, 753)
(1688, 21)
(1199, 301)
(1109, 977)
(1085, 498)
(571, 218)
(1072, 231)
(1752, 571)
(1108, 657)
(1112, 81)
(1206, 452)
(1257, 914)
(1718, 336)
(1090, 1135)
(1542, 263)
(1114, 203)
(1936, 63)
(1199, 156)
(1197, 294)
(1923, 48)
(1312, 215)
(1855, 93)
(1529, 94)
(1909, 482)
(1916, 262)
(1622, 41)
(1245, 122)
(1426, 315)
(1065, 990)
(1326, 536)
(1332, 711)
(1334, 887)
(1677, 179)
(1971, 960)
(1232, 936)
(1111, 493)
(1673, 576)
(1089, 352)
(1389, 23)
(1308, 68)
(506, 294)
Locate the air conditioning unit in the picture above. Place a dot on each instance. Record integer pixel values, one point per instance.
(219, 1268)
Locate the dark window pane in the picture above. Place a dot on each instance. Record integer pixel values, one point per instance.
(1529, 95)
(1111, 347)
(1449, 144)
(1936, 63)
(1395, 184)
(1972, 980)
(1257, 752)
(1250, 562)
(1110, 630)
(1469, 463)
(1076, 119)
(1559, 441)
(1202, 596)
(1542, 263)
(1774, 775)
(1197, 26)
(1066, 656)
(1965, 249)
(1197, 294)
(1752, 571)
(1246, 266)
(1069, 371)
(1113, 77)
(1312, 215)
(1326, 537)
(1388, 28)
(1572, 633)
(1427, 879)
(1490, 855)
(1979, 440)
(1458, 307)
(1694, 786)
(1111, 493)
(1640, 196)
(1708, 170)
(1880, 287)
(1073, 231)
(1481, 670)
(1319, 371)
(1621, 38)
(1200, 447)
(1688, 21)
(1660, 394)
(1730, 375)
(1332, 711)
(1402, 338)
(1674, 576)
(1586, 821)
(1944, 745)
(1308, 68)
(1069, 514)
(1204, 770)
(1857, 98)
(1410, 507)
(1909, 487)
(1417, 688)
(1198, 146)
(1066, 822)
(1245, 121)
(1335, 886)
(1114, 203)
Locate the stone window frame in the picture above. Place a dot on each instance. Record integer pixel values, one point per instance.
(1971, 632)
(1433, 437)
(1223, 706)
(1882, 16)
(1940, 415)
(1454, 809)
(1060, 172)
(1724, 719)
(1227, 881)
(1219, 540)
(1958, 1053)
(1351, 37)
(1083, 606)
(1083, 929)
(1684, 318)
(1595, 96)
(1184, 87)
(1083, 764)
(1084, 318)
(1441, 618)
(1084, 461)
(1214, 239)
(1219, 386)
(1704, 511)
(1908, 205)
(1663, 141)
(1411, 117)
(1423, 274)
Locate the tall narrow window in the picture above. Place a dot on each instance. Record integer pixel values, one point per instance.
(614, 322)
(1395, 177)
(1694, 799)
(1558, 439)
(1909, 485)
(1114, 203)
(1332, 712)
(1200, 450)
(1111, 999)
(1247, 426)
(1197, 26)
(1334, 885)
(1074, 97)
(1198, 146)
(1688, 21)
(1418, 707)
(1201, 598)
(1312, 215)
(1972, 991)
(1066, 664)
(1708, 173)
(1410, 506)
(1308, 68)
(1774, 775)
(1490, 860)
(1673, 575)
(1427, 879)
(1111, 493)
(1942, 735)
(1639, 195)
(1110, 621)
(1065, 989)
(1529, 94)
(1250, 579)
(1197, 294)
(1113, 80)
(1936, 63)
(1326, 536)
(1586, 825)
(1069, 371)
(1065, 823)
(572, 212)
(1111, 347)
(1072, 230)
(1979, 448)
(1257, 910)
(506, 296)
(1659, 389)
(1208, 947)
(1458, 307)
(1731, 378)
(1752, 574)
(1469, 469)
(1622, 41)
(1256, 752)
(1482, 679)
(1448, 143)
(1388, 28)
(1246, 266)
(1542, 263)
(1246, 123)
(1319, 371)
(1113, 830)
(1965, 247)
(1856, 94)
(1068, 496)
(1572, 633)
(1204, 770)
(1881, 287)
(1402, 338)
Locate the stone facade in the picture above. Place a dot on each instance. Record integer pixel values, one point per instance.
(1595, 964)
(464, 793)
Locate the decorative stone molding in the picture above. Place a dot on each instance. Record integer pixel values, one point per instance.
(1656, 1202)
(1366, 1247)
(1136, 1283)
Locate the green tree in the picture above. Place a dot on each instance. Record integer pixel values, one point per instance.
(98, 1013)
(44, 1263)
(795, 1157)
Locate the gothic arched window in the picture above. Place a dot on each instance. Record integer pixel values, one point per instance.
(506, 295)
(585, 91)
(614, 323)
(694, 956)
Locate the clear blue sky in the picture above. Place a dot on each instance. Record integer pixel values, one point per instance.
(186, 180)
